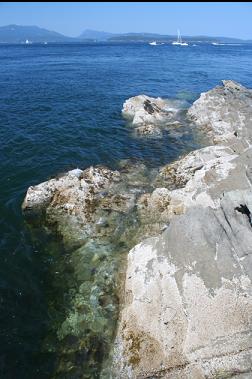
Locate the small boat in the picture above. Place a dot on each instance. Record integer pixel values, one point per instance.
(219, 44)
(155, 43)
(27, 42)
(179, 41)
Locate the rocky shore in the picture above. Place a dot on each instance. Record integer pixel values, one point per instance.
(186, 304)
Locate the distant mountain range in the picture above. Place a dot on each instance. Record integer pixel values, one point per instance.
(19, 34)
(34, 34)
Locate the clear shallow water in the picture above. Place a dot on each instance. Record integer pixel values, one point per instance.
(60, 107)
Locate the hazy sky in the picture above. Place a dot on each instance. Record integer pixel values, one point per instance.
(211, 18)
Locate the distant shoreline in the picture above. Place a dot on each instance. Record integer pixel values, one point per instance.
(119, 42)
(19, 34)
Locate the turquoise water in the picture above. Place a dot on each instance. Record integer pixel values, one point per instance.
(60, 107)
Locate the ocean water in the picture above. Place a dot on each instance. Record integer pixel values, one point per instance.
(60, 108)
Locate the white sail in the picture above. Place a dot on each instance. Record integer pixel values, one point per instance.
(179, 37)
(179, 40)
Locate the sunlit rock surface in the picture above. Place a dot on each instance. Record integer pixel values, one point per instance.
(150, 116)
(224, 112)
(188, 295)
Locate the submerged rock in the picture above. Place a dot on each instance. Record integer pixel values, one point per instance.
(93, 213)
(188, 292)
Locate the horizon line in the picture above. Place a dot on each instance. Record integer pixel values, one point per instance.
(123, 33)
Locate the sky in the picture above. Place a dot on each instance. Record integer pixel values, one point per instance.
(227, 19)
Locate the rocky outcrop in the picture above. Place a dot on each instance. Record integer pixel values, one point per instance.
(224, 112)
(91, 203)
(149, 115)
(70, 201)
(188, 293)
(193, 178)
(187, 301)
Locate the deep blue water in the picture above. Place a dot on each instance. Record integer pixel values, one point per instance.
(60, 107)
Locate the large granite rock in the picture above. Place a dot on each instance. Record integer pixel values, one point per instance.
(188, 294)
(224, 112)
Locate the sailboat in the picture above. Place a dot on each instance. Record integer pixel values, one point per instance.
(179, 41)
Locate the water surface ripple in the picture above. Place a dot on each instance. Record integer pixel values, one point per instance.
(60, 108)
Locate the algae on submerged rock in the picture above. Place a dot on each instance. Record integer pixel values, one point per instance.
(93, 212)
